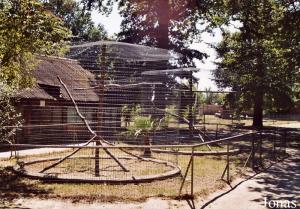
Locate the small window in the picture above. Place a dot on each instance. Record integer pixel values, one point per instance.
(72, 116)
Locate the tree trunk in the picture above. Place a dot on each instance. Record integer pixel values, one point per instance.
(258, 109)
(163, 15)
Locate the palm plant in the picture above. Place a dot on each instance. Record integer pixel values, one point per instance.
(144, 126)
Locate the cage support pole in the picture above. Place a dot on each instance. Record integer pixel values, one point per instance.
(253, 152)
(260, 148)
(284, 140)
(97, 142)
(204, 122)
(192, 173)
(217, 131)
(186, 172)
(89, 128)
(228, 163)
(274, 146)
(126, 152)
(100, 114)
(248, 158)
(227, 168)
(191, 106)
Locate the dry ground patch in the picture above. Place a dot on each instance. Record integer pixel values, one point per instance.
(207, 173)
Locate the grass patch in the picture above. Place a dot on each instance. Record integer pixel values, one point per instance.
(206, 179)
(207, 174)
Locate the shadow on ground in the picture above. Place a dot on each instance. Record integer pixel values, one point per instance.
(281, 183)
(14, 187)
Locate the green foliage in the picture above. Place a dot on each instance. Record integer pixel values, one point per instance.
(77, 20)
(141, 125)
(256, 61)
(26, 29)
(8, 114)
(144, 125)
(214, 98)
(96, 33)
(195, 112)
(130, 111)
(165, 24)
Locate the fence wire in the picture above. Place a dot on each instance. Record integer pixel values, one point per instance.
(134, 128)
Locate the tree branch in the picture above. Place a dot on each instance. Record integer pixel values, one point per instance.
(89, 129)
(120, 86)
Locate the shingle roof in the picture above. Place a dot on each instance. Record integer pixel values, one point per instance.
(35, 93)
(70, 72)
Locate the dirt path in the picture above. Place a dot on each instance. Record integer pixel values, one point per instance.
(36, 151)
(288, 125)
(280, 182)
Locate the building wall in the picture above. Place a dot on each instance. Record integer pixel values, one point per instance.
(56, 122)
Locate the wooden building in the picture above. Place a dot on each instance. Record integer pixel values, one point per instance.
(48, 113)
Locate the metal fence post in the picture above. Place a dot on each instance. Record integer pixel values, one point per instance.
(192, 174)
(260, 148)
(228, 177)
(284, 141)
(217, 130)
(253, 152)
(274, 145)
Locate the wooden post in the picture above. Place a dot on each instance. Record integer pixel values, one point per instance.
(217, 130)
(99, 138)
(228, 177)
(192, 174)
(185, 174)
(253, 152)
(100, 112)
(226, 170)
(284, 140)
(260, 148)
(274, 146)
(204, 117)
(191, 106)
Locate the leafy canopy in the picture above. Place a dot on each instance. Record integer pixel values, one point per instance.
(77, 19)
(257, 60)
(27, 29)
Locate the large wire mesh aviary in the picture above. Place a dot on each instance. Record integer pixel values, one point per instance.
(115, 94)
(124, 114)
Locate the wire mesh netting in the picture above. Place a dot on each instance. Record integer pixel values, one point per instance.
(125, 114)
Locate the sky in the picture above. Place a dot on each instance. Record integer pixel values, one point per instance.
(112, 25)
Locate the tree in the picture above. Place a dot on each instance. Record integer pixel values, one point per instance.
(167, 24)
(254, 61)
(96, 33)
(26, 29)
(164, 24)
(213, 98)
(8, 114)
(77, 19)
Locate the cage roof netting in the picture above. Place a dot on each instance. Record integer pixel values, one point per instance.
(125, 51)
